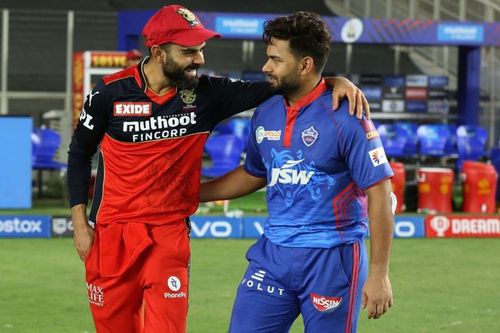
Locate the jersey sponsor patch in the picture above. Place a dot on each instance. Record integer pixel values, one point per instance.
(132, 109)
(309, 136)
(369, 128)
(261, 134)
(377, 156)
(325, 303)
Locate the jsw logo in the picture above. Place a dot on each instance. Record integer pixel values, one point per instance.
(287, 175)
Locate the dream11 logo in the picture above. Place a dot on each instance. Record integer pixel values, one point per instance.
(440, 224)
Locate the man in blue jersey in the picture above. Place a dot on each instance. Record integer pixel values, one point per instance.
(326, 174)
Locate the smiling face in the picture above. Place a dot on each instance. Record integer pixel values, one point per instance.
(181, 64)
(282, 67)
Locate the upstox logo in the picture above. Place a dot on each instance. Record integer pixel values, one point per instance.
(24, 226)
(287, 175)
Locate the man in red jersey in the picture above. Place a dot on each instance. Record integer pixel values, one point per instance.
(151, 122)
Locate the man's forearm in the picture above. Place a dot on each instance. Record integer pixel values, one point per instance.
(235, 184)
(381, 227)
(79, 216)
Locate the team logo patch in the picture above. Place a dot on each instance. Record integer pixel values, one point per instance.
(309, 136)
(174, 283)
(369, 128)
(132, 109)
(261, 134)
(188, 16)
(377, 156)
(188, 96)
(325, 303)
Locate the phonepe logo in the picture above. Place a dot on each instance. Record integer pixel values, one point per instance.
(25, 226)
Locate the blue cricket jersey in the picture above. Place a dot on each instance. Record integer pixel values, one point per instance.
(317, 162)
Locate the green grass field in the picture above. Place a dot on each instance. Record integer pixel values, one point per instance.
(439, 286)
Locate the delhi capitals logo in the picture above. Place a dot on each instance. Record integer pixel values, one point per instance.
(309, 136)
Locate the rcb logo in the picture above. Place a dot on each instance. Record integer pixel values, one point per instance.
(188, 16)
(188, 96)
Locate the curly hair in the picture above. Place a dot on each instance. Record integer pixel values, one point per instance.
(306, 32)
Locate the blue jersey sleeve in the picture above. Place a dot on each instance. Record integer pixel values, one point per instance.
(362, 149)
(253, 163)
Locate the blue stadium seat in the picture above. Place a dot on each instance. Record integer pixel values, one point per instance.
(433, 139)
(45, 143)
(399, 139)
(411, 146)
(225, 152)
(471, 142)
(451, 143)
(240, 127)
(394, 139)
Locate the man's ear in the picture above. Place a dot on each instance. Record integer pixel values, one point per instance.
(157, 54)
(306, 65)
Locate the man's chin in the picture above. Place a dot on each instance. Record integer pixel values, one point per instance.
(188, 83)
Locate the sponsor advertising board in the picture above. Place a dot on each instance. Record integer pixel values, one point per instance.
(462, 226)
(62, 226)
(24, 226)
(216, 227)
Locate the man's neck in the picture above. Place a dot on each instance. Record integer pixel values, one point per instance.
(305, 88)
(155, 78)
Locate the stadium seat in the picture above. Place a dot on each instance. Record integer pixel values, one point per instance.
(396, 140)
(451, 144)
(433, 139)
(240, 127)
(225, 152)
(45, 143)
(411, 146)
(471, 142)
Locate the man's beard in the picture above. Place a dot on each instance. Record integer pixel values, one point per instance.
(286, 85)
(176, 75)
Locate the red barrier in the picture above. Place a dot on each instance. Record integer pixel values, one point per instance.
(435, 187)
(479, 187)
(398, 184)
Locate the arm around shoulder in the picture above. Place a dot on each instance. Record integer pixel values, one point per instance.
(235, 184)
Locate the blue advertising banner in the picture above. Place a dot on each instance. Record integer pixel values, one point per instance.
(15, 165)
(416, 106)
(344, 29)
(411, 226)
(240, 26)
(253, 226)
(216, 227)
(460, 32)
(25, 226)
(393, 81)
(438, 81)
(372, 93)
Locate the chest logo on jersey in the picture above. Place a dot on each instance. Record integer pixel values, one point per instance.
(188, 96)
(132, 109)
(309, 136)
(261, 134)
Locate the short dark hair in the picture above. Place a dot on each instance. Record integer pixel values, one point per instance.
(306, 32)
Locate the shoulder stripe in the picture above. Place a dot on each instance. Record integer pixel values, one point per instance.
(121, 75)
